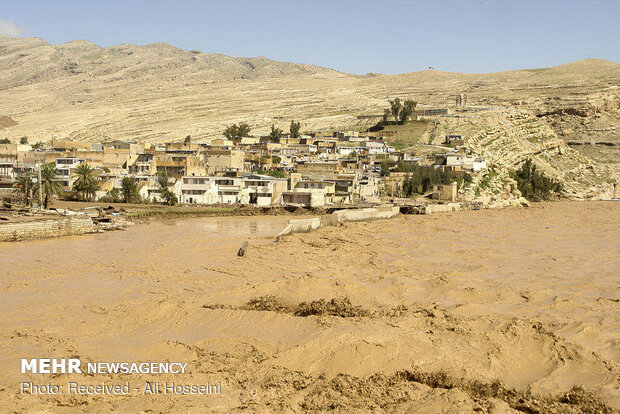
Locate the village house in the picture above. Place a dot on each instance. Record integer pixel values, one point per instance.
(178, 165)
(460, 160)
(309, 193)
(263, 190)
(378, 147)
(187, 148)
(319, 170)
(65, 167)
(120, 153)
(198, 190)
(221, 161)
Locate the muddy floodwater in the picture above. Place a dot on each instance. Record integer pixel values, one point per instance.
(479, 311)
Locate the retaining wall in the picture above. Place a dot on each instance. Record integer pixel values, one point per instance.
(442, 208)
(341, 216)
(46, 228)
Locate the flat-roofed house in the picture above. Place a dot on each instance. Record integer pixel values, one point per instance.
(65, 167)
(319, 170)
(219, 161)
(263, 190)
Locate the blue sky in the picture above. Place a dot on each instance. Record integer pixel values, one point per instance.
(352, 36)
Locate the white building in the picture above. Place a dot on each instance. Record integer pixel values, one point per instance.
(466, 161)
(210, 190)
(64, 166)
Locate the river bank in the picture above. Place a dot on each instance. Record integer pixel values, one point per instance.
(69, 218)
(490, 311)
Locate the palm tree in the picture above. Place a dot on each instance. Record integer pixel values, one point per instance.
(25, 186)
(86, 183)
(49, 184)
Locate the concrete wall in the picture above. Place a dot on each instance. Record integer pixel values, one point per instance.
(342, 216)
(442, 208)
(46, 228)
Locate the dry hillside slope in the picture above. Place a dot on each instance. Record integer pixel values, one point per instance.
(158, 92)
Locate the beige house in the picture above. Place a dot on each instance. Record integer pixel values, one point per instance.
(319, 170)
(224, 160)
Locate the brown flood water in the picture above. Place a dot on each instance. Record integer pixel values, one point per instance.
(529, 297)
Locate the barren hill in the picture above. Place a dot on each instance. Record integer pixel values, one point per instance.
(157, 92)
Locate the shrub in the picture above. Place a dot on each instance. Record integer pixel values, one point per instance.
(533, 184)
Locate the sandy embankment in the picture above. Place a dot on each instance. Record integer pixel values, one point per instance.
(438, 309)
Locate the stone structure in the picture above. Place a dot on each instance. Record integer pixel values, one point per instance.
(47, 228)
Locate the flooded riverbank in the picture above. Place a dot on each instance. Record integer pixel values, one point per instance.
(417, 313)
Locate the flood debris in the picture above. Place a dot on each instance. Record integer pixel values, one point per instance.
(242, 249)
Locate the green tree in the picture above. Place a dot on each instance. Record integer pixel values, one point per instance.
(294, 129)
(167, 196)
(188, 139)
(49, 185)
(113, 196)
(276, 160)
(25, 186)
(235, 131)
(275, 134)
(386, 115)
(533, 184)
(407, 110)
(399, 110)
(5, 141)
(396, 106)
(86, 184)
(129, 189)
(264, 159)
(23, 140)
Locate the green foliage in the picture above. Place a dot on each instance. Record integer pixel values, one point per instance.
(188, 139)
(129, 190)
(113, 196)
(533, 184)
(407, 110)
(276, 160)
(275, 134)
(399, 110)
(163, 180)
(294, 129)
(396, 107)
(237, 131)
(167, 196)
(421, 179)
(38, 145)
(25, 186)
(264, 159)
(386, 115)
(5, 141)
(49, 185)
(273, 173)
(386, 167)
(86, 184)
(23, 140)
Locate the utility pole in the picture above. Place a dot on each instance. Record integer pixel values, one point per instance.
(40, 186)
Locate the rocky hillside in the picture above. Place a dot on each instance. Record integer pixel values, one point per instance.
(27, 61)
